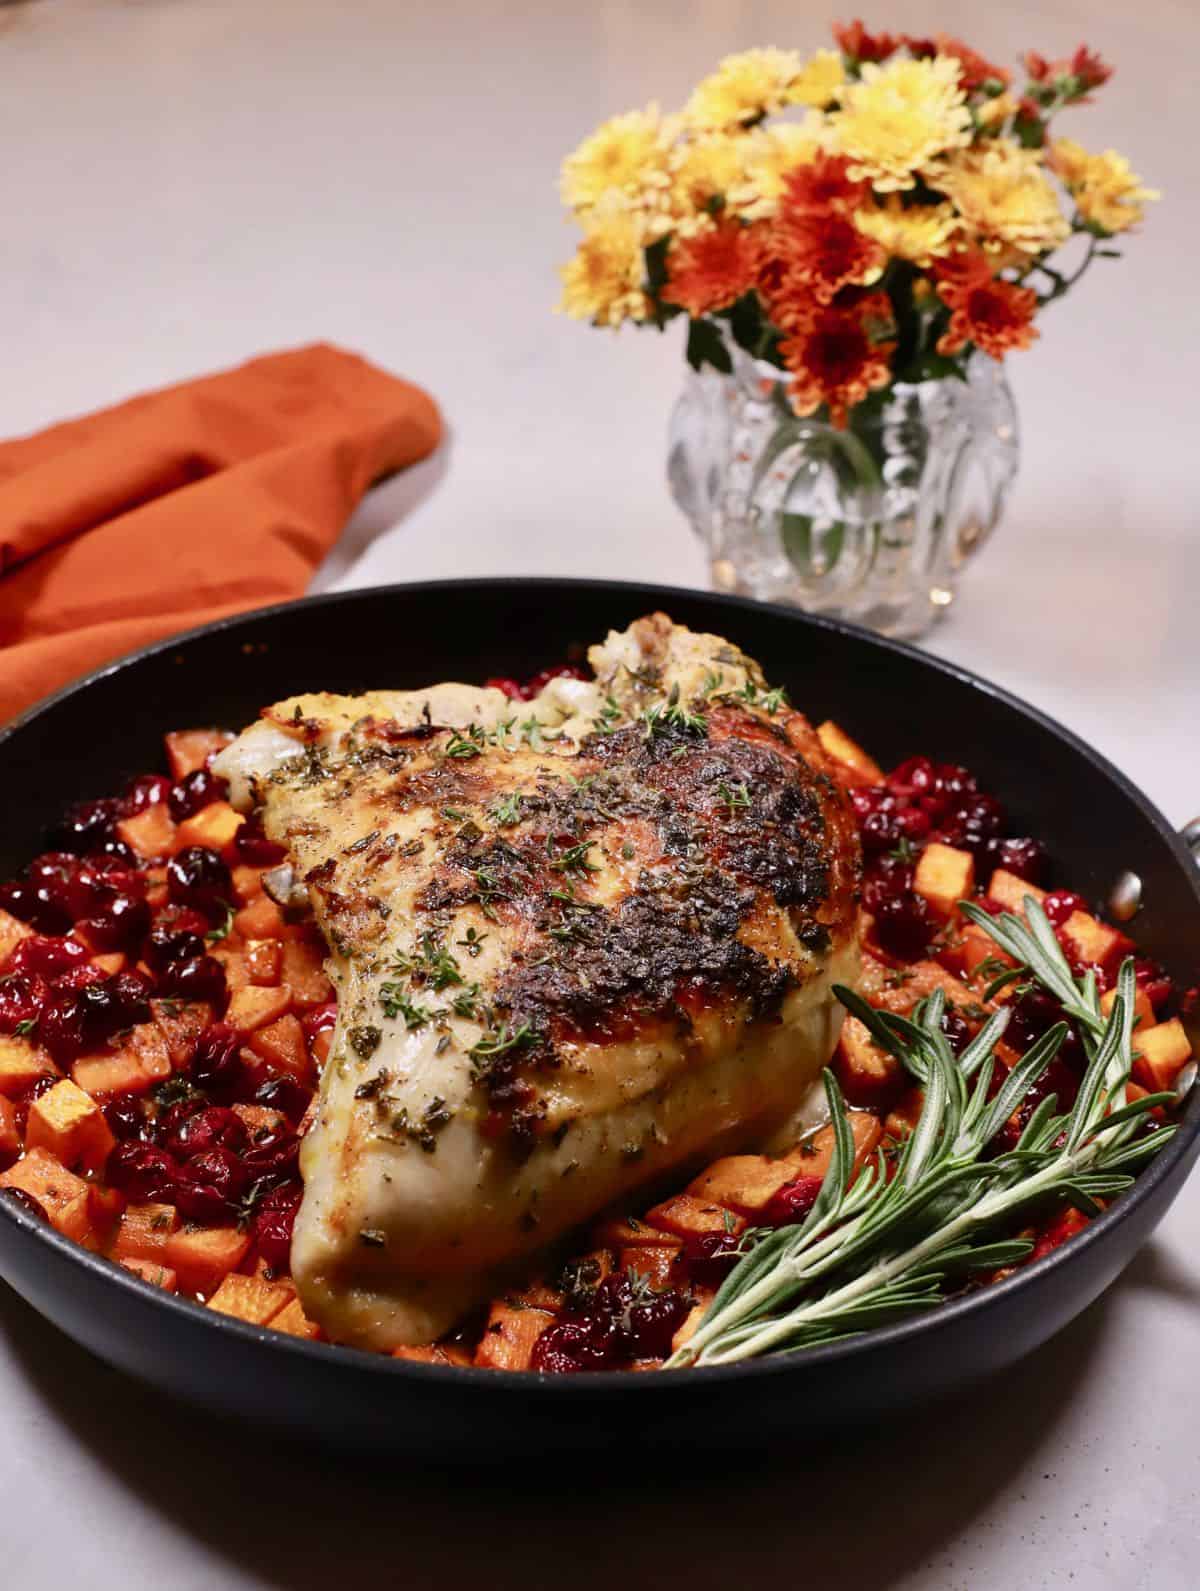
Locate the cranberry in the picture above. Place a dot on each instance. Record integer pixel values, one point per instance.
(904, 928)
(648, 1320)
(215, 1063)
(74, 1019)
(182, 920)
(273, 1159)
(1154, 981)
(1024, 857)
(285, 1094)
(274, 1220)
(254, 848)
(1060, 903)
(125, 1117)
(319, 1019)
(711, 1257)
(868, 798)
(22, 996)
(1031, 1016)
(914, 825)
(574, 1343)
(210, 1127)
(147, 790)
(166, 946)
(86, 826)
(195, 790)
(119, 924)
(210, 1186)
(198, 877)
(113, 854)
(144, 1174)
(880, 831)
(915, 776)
(792, 1202)
(958, 1034)
(512, 688)
(32, 904)
(890, 878)
(201, 979)
(20, 1200)
(48, 957)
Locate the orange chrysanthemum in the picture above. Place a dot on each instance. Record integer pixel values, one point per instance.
(713, 269)
(822, 184)
(992, 314)
(823, 253)
(855, 42)
(975, 69)
(839, 355)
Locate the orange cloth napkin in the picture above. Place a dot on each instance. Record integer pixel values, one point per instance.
(184, 505)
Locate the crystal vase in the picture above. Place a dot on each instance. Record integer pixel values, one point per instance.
(872, 523)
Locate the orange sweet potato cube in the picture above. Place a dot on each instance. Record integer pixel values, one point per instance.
(944, 876)
(1094, 941)
(281, 1044)
(1143, 1011)
(181, 1023)
(435, 1353)
(260, 919)
(144, 1231)
(264, 960)
(687, 1215)
(653, 1262)
(71, 1126)
(292, 1320)
(627, 1231)
(704, 1297)
(12, 931)
(978, 947)
(509, 1336)
(150, 832)
(112, 961)
(156, 1275)
(62, 1195)
(1161, 1052)
(250, 1298)
(903, 1117)
(229, 952)
(10, 1138)
(148, 1044)
(1009, 891)
(213, 827)
(252, 1008)
(21, 1064)
(105, 1075)
(304, 973)
(204, 1256)
(260, 1120)
(190, 749)
(868, 1075)
(855, 766)
(247, 885)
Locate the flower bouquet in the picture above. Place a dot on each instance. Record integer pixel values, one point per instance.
(844, 232)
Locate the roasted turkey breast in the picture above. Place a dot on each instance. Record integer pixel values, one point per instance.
(577, 943)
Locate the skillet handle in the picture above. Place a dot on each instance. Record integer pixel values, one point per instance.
(1190, 835)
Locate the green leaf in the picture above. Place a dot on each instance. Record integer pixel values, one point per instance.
(705, 346)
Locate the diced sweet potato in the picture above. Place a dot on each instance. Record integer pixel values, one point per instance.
(978, 947)
(10, 1138)
(105, 1075)
(251, 1299)
(190, 749)
(1092, 941)
(107, 1205)
(264, 959)
(156, 1275)
(303, 973)
(897, 989)
(652, 1261)
(902, 1118)
(213, 827)
(181, 1023)
(230, 954)
(868, 1075)
(260, 919)
(71, 1126)
(21, 1064)
(944, 876)
(247, 884)
(437, 1353)
(1161, 1052)
(627, 1231)
(261, 1119)
(1143, 1011)
(704, 1297)
(111, 962)
(252, 1008)
(150, 832)
(148, 1044)
(1009, 891)
(854, 765)
(144, 1231)
(687, 1215)
(292, 1320)
(281, 1045)
(62, 1194)
(12, 931)
(509, 1336)
(204, 1256)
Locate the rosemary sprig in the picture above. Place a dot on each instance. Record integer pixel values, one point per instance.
(883, 1244)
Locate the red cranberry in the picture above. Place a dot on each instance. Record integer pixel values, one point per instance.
(880, 831)
(254, 848)
(215, 1063)
(1024, 857)
(1033, 1014)
(914, 777)
(710, 1258)
(24, 900)
(147, 790)
(22, 996)
(143, 1173)
(1153, 980)
(119, 924)
(113, 854)
(868, 798)
(273, 1160)
(20, 1200)
(958, 1034)
(48, 957)
(648, 1320)
(1060, 903)
(274, 1220)
(182, 920)
(512, 688)
(201, 979)
(210, 1186)
(81, 1018)
(198, 877)
(86, 826)
(573, 1343)
(890, 878)
(211, 1127)
(166, 945)
(904, 927)
(792, 1202)
(195, 790)
(914, 825)
(285, 1094)
(125, 1117)
(319, 1019)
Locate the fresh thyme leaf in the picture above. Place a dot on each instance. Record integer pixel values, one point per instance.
(25, 1027)
(396, 1002)
(499, 1041)
(904, 850)
(733, 796)
(508, 811)
(575, 859)
(672, 714)
(224, 927)
(471, 942)
(468, 742)
(608, 717)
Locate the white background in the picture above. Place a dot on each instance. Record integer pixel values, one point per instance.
(190, 182)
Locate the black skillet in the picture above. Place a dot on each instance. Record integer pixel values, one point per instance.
(86, 740)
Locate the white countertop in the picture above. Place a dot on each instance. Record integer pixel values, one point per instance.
(190, 182)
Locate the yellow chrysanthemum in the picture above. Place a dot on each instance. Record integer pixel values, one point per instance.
(821, 80)
(744, 88)
(997, 110)
(706, 167)
(627, 154)
(1003, 194)
(604, 281)
(918, 234)
(899, 117)
(768, 154)
(1107, 191)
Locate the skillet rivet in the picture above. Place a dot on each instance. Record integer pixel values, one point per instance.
(1185, 1082)
(1126, 898)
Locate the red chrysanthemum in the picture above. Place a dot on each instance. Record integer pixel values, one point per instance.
(822, 252)
(713, 269)
(839, 355)
(992, 314)
(976, 69)
(822, 184)
(1091, 70)
(858, 45)
(1087, 68)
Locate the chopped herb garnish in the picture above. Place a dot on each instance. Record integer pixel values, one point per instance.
(672, 714)
(466, 743)
(394, 999)
(25, 1027)
(471, 942)
(224, 927)
(574, 859)
(733, 796)
(508, 811)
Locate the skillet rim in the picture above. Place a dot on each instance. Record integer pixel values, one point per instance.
(589, 1384)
